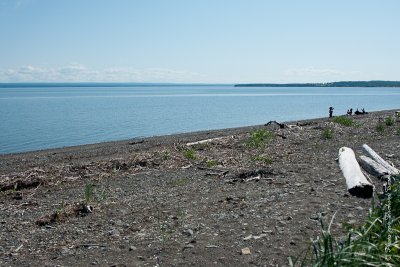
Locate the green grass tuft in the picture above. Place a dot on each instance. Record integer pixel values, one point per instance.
(328, 133)
(190, 154)
(343, 120)
(389, 121)
(259, 138)
(211, 163)
(374, 243)
(380, 128)
(88, 193)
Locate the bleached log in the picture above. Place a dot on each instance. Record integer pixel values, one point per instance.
(357, 184)
(390, 169)
(204, 141)
(373, 167)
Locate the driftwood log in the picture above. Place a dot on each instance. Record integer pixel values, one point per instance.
(205, 141)
(374, 168)
(281, 125)
(357, 184)
(389, 168)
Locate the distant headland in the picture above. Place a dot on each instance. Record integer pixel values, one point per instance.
(332, 84)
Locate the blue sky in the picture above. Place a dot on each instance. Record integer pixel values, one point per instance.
(210, 41)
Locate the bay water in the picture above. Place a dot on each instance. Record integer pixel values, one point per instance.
(40, 117)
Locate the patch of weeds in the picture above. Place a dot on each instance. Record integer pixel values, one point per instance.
(380, 128)
(211, 163)
(343, 120)
(88, 192)
(259, 138)
(389, 121)
(263, 159)
(165, 155)
(374, 243)
(190, 154)
(398, 131)
(328, 133)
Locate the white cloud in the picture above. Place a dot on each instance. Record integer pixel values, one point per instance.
(79, 73)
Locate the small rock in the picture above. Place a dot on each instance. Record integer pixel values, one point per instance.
(188, 246)
(131, 248)
(187, 232)
(114, 233)
(246, 251)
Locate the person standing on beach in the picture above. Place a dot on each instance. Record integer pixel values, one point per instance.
(330, 112)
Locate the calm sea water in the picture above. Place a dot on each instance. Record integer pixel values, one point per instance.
(33, 118)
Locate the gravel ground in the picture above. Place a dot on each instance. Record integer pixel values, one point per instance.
(159, 202)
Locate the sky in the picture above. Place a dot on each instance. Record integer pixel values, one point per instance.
(199, 41)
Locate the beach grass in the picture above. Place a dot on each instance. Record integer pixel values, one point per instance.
(343, 120)
(389, 121)
(259, 138)
(374, 243)
(380, 128)
(328, 133)
(190, 154)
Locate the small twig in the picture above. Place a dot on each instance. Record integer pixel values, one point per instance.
(186, 167)
(18, 248)
(91, 245)
(257, 178)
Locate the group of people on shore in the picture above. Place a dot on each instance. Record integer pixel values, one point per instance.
(349, 112)
(357, 112)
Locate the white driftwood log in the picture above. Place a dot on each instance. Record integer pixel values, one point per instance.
(357, 184)
(390, 169)
(373, 167)
(204, 141)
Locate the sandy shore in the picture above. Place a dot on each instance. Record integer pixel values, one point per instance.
(158, 201)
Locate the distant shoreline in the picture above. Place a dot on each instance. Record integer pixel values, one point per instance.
(332, 84)
(134, 84)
